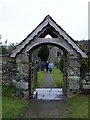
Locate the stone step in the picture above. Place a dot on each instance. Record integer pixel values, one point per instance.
(49, 94)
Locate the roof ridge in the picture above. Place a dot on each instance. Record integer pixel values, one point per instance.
(47, 17)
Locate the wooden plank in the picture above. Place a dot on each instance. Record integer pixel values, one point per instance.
(30, 71)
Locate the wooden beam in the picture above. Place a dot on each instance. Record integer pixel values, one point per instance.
(30, 72)
(55, 41)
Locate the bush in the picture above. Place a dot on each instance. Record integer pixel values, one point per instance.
(84, 66)
(4, 49)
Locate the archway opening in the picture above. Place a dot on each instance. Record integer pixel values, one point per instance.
(48, 82)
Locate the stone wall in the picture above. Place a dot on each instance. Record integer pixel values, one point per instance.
(73, 74)
(16, 72)
(8, 69)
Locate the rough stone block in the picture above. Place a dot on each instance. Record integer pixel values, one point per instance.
(73, 83)
(73, 86)
(73, 78)
(73, 71)
(22, 58)
(26, 79)
(86, 86)
(73, 63)
(26, 94)
(22, 85)
(88, 83)
(18, 93)
(87, 78)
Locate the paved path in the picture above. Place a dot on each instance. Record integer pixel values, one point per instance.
(46, 108)
(48, 81)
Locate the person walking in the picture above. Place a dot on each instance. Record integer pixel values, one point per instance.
(47, 63)
(50, 66)
(43, 66)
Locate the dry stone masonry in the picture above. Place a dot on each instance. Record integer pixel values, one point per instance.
(8, 69)
(18, 68)
(16, 72)
(73, 73)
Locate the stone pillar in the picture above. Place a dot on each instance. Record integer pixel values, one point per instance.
(22, 74)
(73, 74)
(65, 73)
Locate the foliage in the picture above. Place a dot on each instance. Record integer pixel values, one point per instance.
(82, 47)
(84, 66)
(78, 106)
(58, 76)
(40, 76)
(8, 49)
(84, 63)
(43, 53)
(4, 49)
(11, 47)
(11, 106)
(61, 64)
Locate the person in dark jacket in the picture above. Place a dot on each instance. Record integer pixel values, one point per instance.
(47, 63)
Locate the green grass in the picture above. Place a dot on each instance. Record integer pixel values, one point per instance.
(58, 76)
(0, 101)
(78, 106)
(40, 76)
(11, 106)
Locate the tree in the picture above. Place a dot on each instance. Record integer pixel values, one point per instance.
(43, 53)
(4, 49)
(11, 46)
(84, 63)
(7, 49)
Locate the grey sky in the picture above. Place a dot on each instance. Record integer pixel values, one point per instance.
(19, 17)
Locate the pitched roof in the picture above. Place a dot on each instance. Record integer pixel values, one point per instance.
(47, 21)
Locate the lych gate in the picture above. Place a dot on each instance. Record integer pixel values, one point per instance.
(71, 62)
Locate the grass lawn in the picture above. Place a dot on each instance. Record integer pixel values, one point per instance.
(78, 106)
(40, 77)
(58, 76)
(0, 101)
(11, 106)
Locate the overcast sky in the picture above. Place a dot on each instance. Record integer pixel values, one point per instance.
(18, 18)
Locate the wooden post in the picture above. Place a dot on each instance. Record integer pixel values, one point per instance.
(30, 72)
